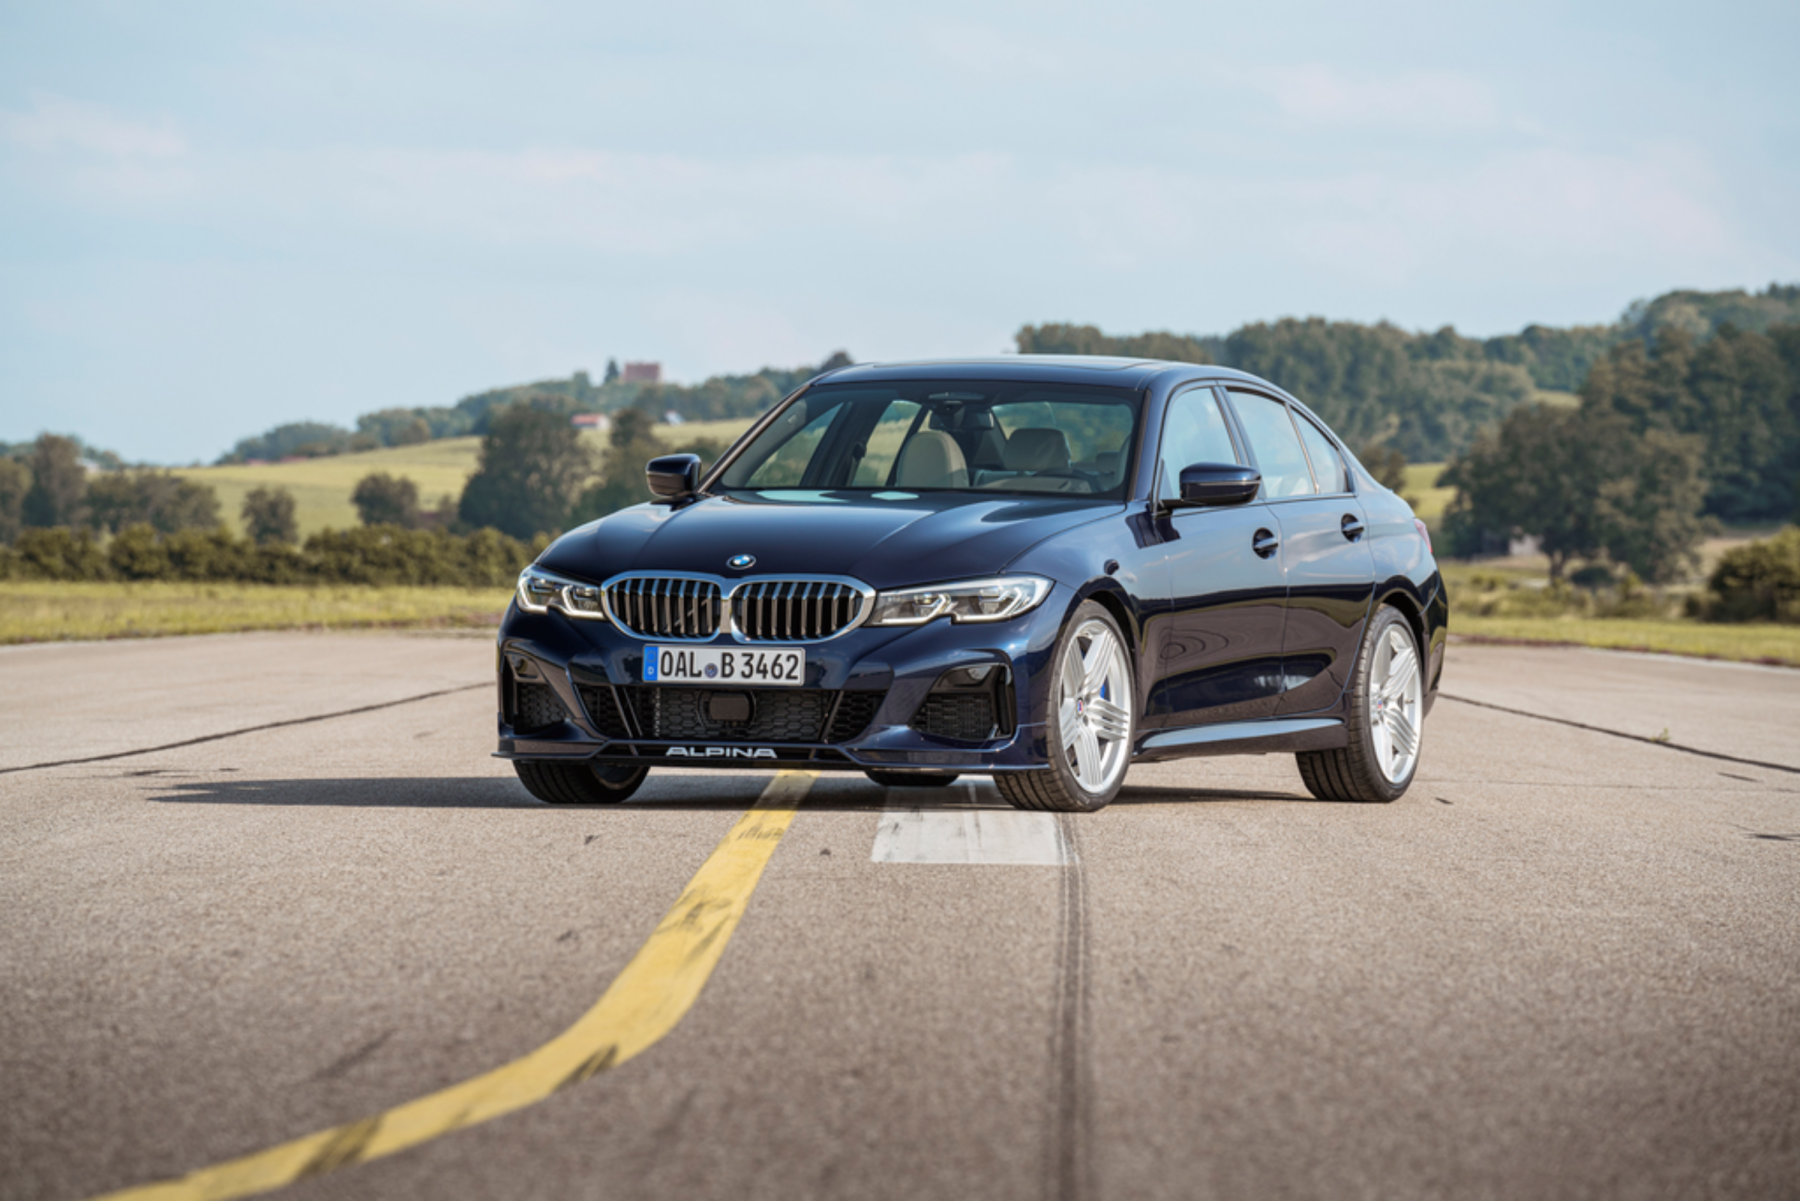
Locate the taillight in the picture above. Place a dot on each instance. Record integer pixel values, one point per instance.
(1424, 532)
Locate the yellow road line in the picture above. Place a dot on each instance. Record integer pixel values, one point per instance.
(644, 1003)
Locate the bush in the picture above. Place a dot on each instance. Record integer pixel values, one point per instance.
(1759, 581)
(368, 555)
(138, 554)
(60, 554)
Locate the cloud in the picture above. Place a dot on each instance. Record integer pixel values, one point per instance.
(1413, 99)
(53, 124)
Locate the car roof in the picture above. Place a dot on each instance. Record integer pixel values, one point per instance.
(1099, 370)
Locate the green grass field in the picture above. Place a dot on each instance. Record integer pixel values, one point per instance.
(1744, 643)
(46, 612)
(322, 487)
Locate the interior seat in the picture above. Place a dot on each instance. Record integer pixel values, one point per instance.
(1034, 450)
(931, 459)
(1037, 450)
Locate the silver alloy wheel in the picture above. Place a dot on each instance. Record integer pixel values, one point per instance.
(1395, 698)
(1094, 708)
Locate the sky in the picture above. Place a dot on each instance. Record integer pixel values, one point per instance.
(215, 218)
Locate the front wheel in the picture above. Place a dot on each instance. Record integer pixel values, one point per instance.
(579, 783)
(1092, 717)
(1386, 718)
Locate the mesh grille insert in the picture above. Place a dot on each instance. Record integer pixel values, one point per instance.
(535, 706)
(603, 711)
(854, 713)
(776, 715)
(968, 717)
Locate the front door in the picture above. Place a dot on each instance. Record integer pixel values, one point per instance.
(1216, 650)
(1330, 570)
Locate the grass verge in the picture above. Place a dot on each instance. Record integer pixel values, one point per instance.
(33, 611)
(1741, 643)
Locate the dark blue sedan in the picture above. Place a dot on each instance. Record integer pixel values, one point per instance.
(1039, 568)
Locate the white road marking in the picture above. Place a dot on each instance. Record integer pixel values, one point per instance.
(956, 830)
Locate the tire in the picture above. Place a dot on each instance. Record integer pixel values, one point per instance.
(1385, 723)
(913, 779)
(1085, 692)
(578, 783)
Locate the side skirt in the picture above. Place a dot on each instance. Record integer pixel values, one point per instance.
(1279, 735)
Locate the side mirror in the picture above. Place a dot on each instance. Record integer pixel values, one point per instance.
(1219, 484)
(673, 477)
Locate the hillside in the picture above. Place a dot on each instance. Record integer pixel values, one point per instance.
(322, 486)
(1426, 394)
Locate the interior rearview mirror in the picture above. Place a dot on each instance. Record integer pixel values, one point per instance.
(1219, 484)
(673, 477)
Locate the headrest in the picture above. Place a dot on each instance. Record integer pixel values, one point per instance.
(931, 460)
(1037, 450)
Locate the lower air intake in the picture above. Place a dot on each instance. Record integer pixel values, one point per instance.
(535, 706)
(967, 717)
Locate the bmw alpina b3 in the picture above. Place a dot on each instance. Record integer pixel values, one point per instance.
(1036, 568)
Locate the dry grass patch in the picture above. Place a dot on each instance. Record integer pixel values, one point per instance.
(34, 611)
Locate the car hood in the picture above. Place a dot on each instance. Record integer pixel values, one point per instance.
(907, 539)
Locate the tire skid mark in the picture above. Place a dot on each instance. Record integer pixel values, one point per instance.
(644, 1002)
(1068, 1166)
(1581, 725)
(268, 725)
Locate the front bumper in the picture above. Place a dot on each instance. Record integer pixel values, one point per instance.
(603, 712)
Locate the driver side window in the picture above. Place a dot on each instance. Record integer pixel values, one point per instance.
(1194, 431)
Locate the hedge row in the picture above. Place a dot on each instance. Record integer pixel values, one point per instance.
(1759, 581)
(379, 554)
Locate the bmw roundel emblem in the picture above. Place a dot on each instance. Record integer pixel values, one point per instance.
(740, 562)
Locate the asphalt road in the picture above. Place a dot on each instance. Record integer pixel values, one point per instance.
(1566, 964)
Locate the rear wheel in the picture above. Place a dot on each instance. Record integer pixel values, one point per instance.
(1385, 721)
(1091, 721)
(579, 783)
(912, 779)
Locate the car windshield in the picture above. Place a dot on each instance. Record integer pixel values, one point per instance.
(932, 435)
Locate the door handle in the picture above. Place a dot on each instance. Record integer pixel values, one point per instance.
(1264, 543)
(1352, 526)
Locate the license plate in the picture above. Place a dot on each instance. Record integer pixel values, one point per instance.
(711, 665)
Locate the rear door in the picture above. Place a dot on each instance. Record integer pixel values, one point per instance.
(1330, 570)
(1215, 652)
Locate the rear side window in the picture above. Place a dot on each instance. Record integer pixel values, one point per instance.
(1193, 432)
(1275, 444)
(1327, 464)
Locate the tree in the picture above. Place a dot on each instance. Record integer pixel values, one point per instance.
(269, 517)
(58, 483)
(1646, 510)
(612, 372)
(15, 482)
(1528, 476)
(1584, 484)
(160, 499)
(532, 468)
(383, 499)
(630, 444)
(1738, 393)
(308, 438)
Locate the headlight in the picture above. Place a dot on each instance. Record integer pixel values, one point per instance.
(967, 600)
(540, 591)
